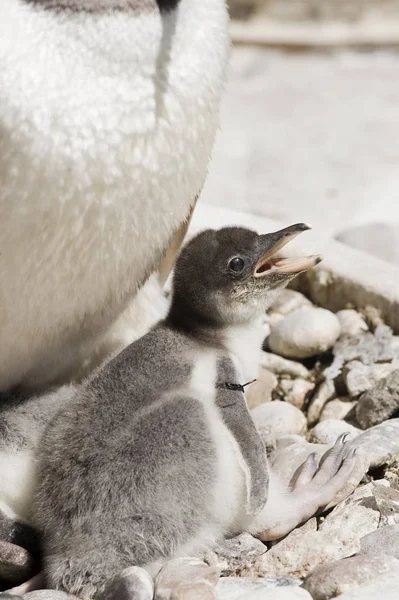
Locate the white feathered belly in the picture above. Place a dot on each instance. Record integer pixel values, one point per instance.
(106, 128)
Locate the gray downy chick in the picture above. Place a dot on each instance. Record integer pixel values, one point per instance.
(155, 456)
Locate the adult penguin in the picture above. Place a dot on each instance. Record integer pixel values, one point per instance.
(108, 113)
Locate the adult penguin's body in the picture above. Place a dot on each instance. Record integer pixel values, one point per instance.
(108, 112)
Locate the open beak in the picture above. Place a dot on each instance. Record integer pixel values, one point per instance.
(273, 242)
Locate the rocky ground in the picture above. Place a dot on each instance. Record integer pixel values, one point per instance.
(322, 375)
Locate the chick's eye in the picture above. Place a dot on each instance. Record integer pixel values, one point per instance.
(236, 264)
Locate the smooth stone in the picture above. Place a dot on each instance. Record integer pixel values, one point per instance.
(380, 443)
(304, 333)
(282, 366)
(324, 394)
(16, 563)
(326, 432)
(303, 550)
(357, 514)
(332, 579)
(337, 409)
(278, 418)
(182, 571)
(133, 583)
(384, 540)
(239, 588)
(261, 390)
(360, 378)
(232, 555)
(380, 403)
(296, 391)
(385, 587)
(352, 322)
(288, 301)
(194, 591)
(5, 596)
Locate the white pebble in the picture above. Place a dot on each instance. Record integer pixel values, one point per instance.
(304, 333)
(352, 322)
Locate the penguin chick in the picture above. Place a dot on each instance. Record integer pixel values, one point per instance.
(146, 462)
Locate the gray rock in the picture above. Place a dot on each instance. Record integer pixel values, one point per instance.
(181, 572)
(278, 594)
(278, 418)
(360, 378)
(261, 390)
(332, 579)
(304, 549)
(238, 588)
(358, 514)
(233, 555)
(352, 322)
(337, 409)
(304, 333)
(384, 540)
(6, 596)
(131, 584)
(282, 366)
(324, 394)
(380, 443)
(16, 563)
(326, 432)
(380, 402)
(367, 347)
(385, 586)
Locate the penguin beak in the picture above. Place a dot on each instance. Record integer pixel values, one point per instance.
(271, 243)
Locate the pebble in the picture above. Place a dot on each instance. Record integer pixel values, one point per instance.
(324, 394)
(278, 418)
(327, 431)
(337, 409)
(332, 579)
(368, 348)
(380, 442)
(16, 563)
(304, 333)
(133, 583)
(352, 322)
(304, 549)
(288, 301)
(360, 378)
(380, 402)
(282, 366)
(384, 540)
(234, 554)
(183, 571)
(385, 586)
(195, 591)
(261, 390)
(357, 514)
(296, 391)
(241, 588)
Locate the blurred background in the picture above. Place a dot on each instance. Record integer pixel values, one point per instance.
(310, 120)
